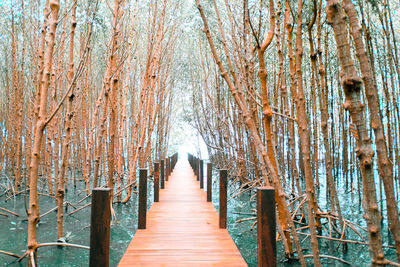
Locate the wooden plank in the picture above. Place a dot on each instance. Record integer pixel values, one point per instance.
(182, 229)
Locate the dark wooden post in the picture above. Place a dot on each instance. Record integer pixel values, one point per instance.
(266, 227)
(201, 174)
(209, 182)
(223, 174)
(162, 171)
(166, 168)
(170, 165)
(194, 164)
(100, 228)
(156, 181)
(142, 199)
(175, 159)
(198, 169)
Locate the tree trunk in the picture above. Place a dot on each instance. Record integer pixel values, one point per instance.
(352, 89)
(33, 213)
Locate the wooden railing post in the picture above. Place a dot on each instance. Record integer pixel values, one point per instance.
(142, 199)
(169, 166)
(173, 158)
(266, 226)
(201, 174)
(162, 171)
(223, 174)
(100, 227)
(194, 164)
(166, 168)
(198, 169)
(156, 181)
(209, 182)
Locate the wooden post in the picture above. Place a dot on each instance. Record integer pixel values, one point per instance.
(170, 165)
(222, 198)
(162, 170)
(201, 174)
(197, 169)
(156, 181)
(142, 199)
(100, 227)
(194, 164)
(175, 159)
(209, 182)
(166, 168)
(266, 227)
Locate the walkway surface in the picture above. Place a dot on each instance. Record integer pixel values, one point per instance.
(182, 229)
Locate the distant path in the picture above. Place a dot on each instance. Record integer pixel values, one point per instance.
(182, 229)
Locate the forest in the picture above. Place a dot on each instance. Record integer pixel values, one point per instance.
(300, 95)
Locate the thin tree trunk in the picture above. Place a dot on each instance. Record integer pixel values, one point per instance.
(384, 164)
(67, 129)
(352, 84)
(33, 213)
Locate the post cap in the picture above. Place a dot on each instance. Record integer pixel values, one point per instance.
(265, 188)
(106, 189)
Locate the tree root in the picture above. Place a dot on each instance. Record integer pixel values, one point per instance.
(81, 208)
(10, 254)
(6, 210)
(330, 257)
(344, 240)
(62, 244)
(32, 259)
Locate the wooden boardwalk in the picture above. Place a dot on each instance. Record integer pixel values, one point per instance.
(182, 229)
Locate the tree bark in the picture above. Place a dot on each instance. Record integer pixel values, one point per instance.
(384, 164)
(352, 86)
(33, 213)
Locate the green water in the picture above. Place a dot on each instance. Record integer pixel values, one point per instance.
(13, 231)
(357, 255)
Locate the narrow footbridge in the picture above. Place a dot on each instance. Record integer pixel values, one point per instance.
(182, 229)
